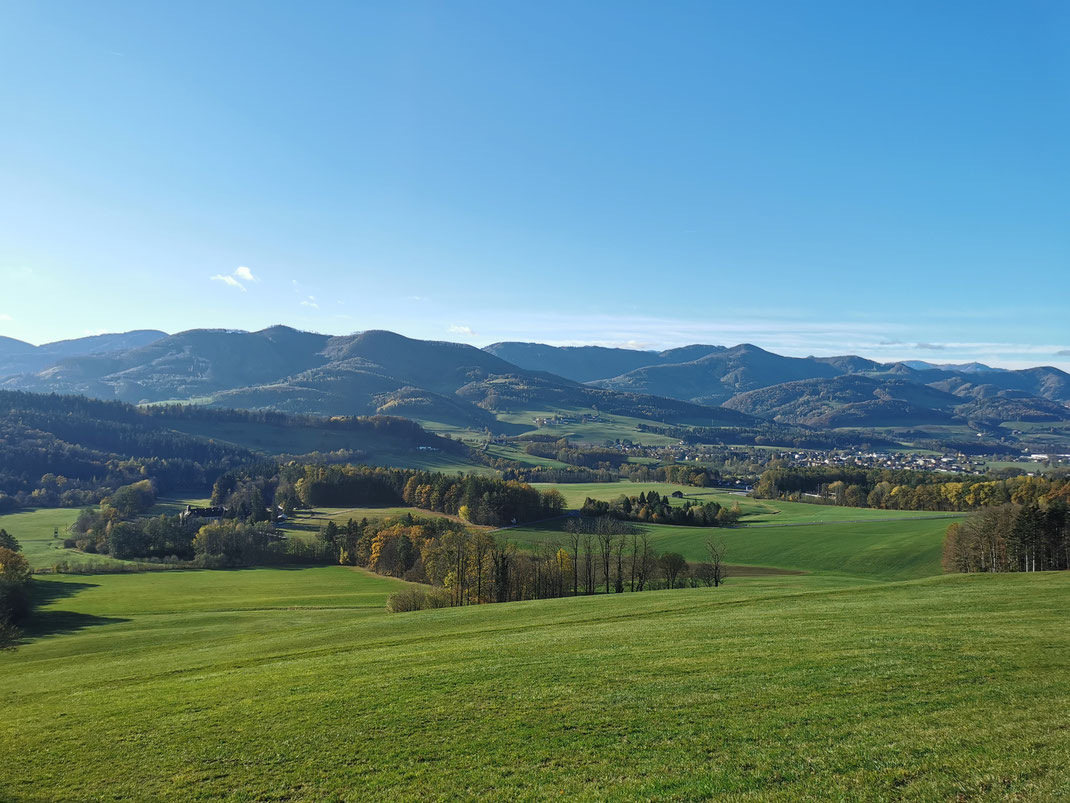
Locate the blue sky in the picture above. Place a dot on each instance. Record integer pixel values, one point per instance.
(817, 178)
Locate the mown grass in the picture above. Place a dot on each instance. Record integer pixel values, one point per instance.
(289, 687)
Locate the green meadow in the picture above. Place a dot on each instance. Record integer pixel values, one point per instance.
(36, 532)
(877, 550)
(277, 684)
(837, 664)
(608, 427)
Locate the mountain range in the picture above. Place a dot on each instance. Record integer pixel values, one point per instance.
(18, 357)
(494, 388)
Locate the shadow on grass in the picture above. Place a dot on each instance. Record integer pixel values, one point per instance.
(41, 624)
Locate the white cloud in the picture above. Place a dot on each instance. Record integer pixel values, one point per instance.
(235, 279)
(230, 281)
(310, 302)
(245, 274)
(5, 317)
(461, 330)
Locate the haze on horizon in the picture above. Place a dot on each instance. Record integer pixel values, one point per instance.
(821, 180)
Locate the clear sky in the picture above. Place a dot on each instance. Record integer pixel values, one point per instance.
(889, 179)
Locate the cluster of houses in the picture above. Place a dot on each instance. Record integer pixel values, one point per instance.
(959, 464)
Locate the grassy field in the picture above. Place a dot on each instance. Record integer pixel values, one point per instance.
(294, 685)
(35, 531)
(610, 427)
(877, 550)
(510, 452)
(755, 511)
(313, 521)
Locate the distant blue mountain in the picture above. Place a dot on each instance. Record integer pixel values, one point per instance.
(965, 368)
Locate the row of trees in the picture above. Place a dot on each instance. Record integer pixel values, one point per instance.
(171, 540)
(657, 509)
(256, 492)
(905, 489)
(469, 567)
(481, 500)
(1031, 537)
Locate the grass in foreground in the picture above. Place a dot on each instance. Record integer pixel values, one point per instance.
(955, 687)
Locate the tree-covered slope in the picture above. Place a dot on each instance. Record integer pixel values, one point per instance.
(717, 377)
(588, 363)
(864, 401)
(71, 450)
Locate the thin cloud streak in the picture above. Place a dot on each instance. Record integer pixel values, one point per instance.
(879, 340)
(230, 281)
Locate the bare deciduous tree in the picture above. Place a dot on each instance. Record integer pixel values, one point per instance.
(716, 550)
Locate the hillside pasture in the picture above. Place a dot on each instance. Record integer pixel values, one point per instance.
(875, 550)
(590, 433)
(293, 684)
(314, 520)
(35, 531)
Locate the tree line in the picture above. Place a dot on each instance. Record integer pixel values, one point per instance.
(255, 498)
(655, 508)
(904, 489)
(259, 490)
(1030, 537)
(471, 567)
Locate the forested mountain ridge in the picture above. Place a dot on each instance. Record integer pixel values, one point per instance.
(716, 377)
(18, 357)
(589, 363)
(370, 373)
(859, 400)
(457, 385)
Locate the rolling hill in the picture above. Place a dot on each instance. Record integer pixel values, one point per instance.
(461, 387)
(862, 401)
(588, 363)
(717, 377)
(373, 372)
(17, 357)
(295, 684)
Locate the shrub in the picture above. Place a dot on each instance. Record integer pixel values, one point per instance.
(412, 598)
